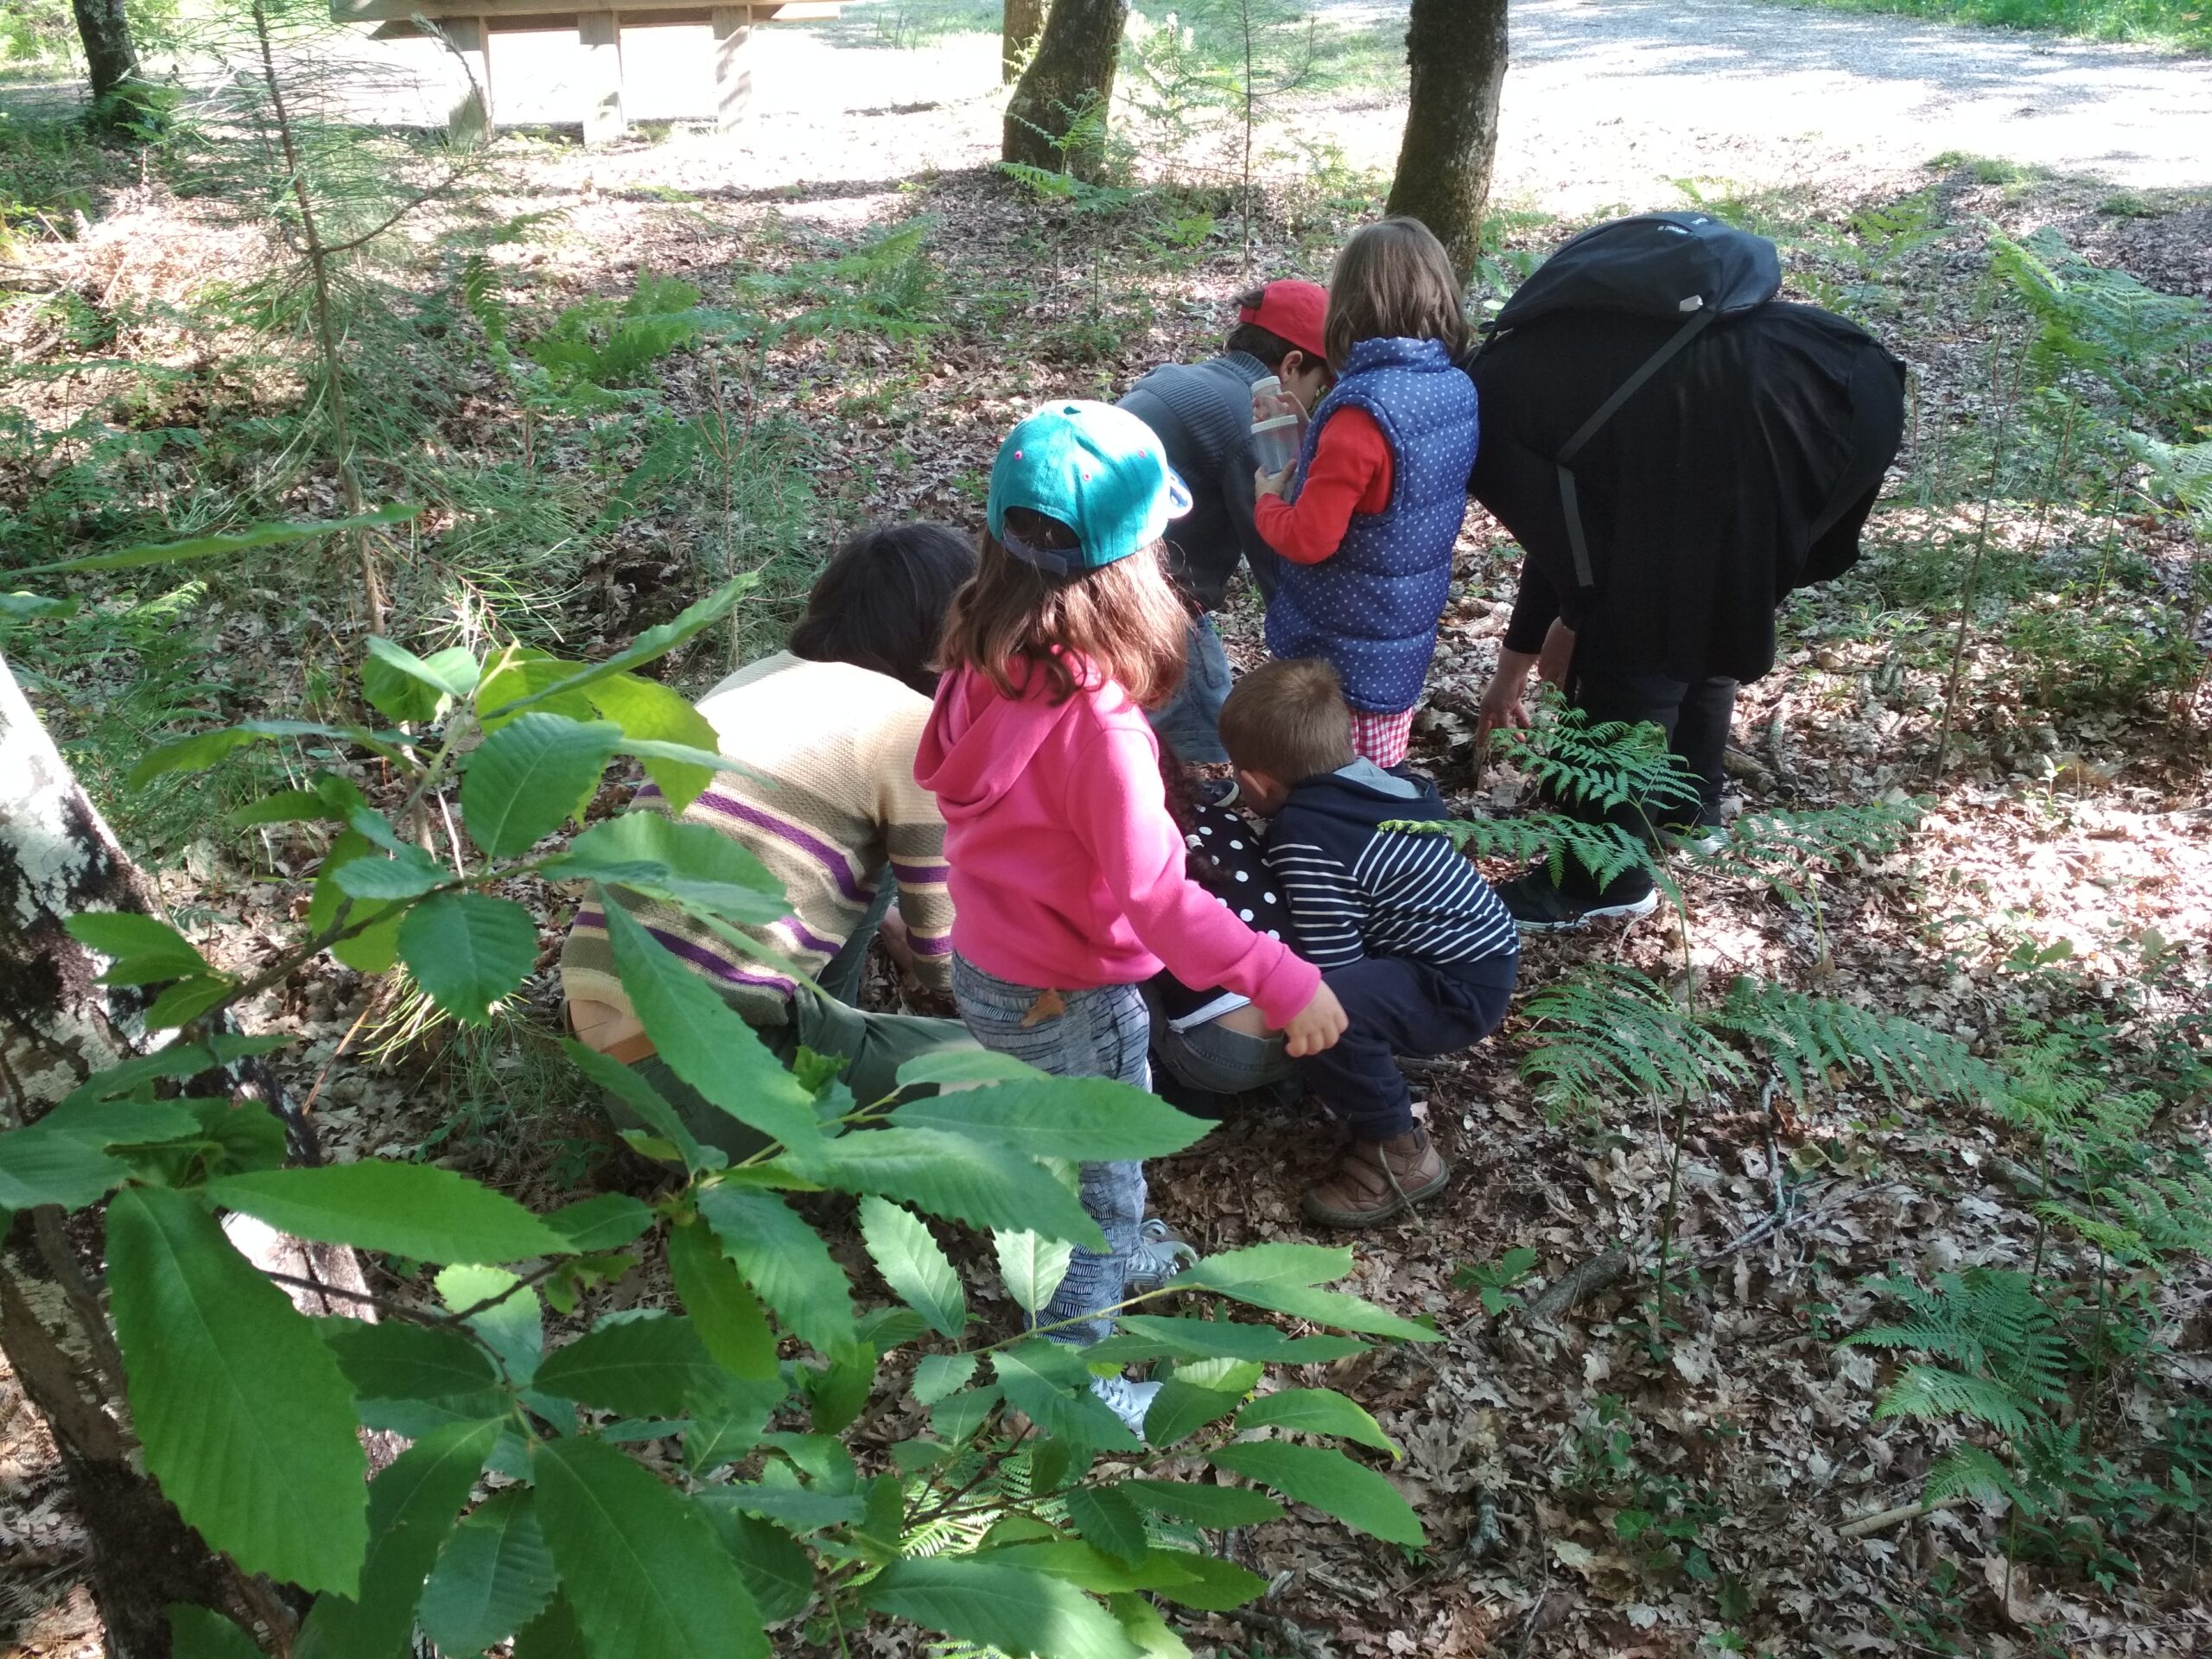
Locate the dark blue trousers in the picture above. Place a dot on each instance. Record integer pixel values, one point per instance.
(1397, 1006)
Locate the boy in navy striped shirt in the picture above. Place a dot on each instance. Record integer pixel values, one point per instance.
(1408, 935)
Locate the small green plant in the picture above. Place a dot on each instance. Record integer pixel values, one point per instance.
(1871, 250)
(600, 345)
(1496, 1280)
(1937, 1619)
(1996, 1358)
(1658, 1519)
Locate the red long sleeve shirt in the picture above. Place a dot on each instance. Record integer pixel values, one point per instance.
(1351, 472)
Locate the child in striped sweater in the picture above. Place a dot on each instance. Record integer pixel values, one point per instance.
(1419, 950)
(823, 793)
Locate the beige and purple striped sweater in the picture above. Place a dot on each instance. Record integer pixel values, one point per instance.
(838, 742)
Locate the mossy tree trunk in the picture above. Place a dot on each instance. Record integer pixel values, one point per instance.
(1056, 118)
(109, 54)
(1023, 23)
(1455, 50)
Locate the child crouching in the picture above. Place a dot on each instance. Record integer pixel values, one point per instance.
(1067, 874)
(1417, 948)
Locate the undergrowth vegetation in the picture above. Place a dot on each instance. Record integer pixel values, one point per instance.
(601, 409)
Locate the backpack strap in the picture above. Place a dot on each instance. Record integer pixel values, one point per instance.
(1589, 429)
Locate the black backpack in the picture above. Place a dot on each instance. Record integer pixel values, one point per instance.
(1687, 265)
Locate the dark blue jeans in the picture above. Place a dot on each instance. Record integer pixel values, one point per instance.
(1191, 722)
(1396, 1006)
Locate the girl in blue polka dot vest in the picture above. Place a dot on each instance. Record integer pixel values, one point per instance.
(1367, 518)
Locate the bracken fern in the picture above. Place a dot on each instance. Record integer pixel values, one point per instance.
(1604, 1030)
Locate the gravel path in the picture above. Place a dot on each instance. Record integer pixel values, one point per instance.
(1607, 96)
(1607, 103)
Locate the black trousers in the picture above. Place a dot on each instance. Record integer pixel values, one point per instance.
(1694, 714)
(1396, 1006)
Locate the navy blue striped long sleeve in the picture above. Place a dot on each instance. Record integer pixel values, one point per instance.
(1357, 890)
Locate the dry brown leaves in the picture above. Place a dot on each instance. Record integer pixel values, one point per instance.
(1748, 1404)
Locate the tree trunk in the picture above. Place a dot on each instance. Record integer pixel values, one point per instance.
(1024, 21)
(1455, 50)
(105, 32)
(1056, 118)
(58, 1027)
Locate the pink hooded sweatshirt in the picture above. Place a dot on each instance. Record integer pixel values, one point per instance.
(1067, 870)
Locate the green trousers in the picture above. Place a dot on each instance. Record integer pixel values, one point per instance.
(873, 1046)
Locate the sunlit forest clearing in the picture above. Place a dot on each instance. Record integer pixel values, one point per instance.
(1823, 1267)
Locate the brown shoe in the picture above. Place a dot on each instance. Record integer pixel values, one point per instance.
(1378, 1179)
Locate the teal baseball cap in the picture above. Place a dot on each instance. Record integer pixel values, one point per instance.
(1099, 470)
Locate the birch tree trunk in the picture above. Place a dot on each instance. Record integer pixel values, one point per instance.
(59, 1027)
(1456, 51)
(1057, 116)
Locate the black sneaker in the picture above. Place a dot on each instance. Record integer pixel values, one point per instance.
(1537, 906)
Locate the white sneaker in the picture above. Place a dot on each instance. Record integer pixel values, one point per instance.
(1129, 1401)
(1159, 1257)
(1704, 842)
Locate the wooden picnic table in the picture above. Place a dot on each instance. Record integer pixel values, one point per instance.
(470, 27)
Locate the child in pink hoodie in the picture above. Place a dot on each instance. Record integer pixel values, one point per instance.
(1067, 873)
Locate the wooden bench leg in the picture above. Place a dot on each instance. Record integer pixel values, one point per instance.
(601, 32)
(470, 124)
(733, 66)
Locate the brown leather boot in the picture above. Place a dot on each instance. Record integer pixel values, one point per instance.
(1378, 1179)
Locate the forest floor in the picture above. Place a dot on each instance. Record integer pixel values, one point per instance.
(2056, 893)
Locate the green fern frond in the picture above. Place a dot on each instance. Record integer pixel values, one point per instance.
(1605, 1032)
(1925, 1336)
(2116, 1239)
(1934, 1394)
(1992, 1323)
(2171, 1215)
(1968, 1471)
(1606, 764)
(1835, 838)
(1803, 1036)
(1606, 850)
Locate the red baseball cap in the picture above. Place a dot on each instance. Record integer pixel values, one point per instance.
(1293, 311)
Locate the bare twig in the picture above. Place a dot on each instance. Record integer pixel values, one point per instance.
(1972, 583)
(1577, 1284)
(1768, 1226)
(397, 1310)
(1881, 1520)
(333, 388)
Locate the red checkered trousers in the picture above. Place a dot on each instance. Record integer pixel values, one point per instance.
(1382, 738)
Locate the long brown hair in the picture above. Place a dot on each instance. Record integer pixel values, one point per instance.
(1393, 281)
(1122, 621)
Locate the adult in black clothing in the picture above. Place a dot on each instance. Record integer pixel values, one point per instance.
(1202, 413)
(1744, 469)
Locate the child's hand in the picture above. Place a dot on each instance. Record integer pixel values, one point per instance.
(1317, 1025)
(1503, 700)
(1275, 484)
